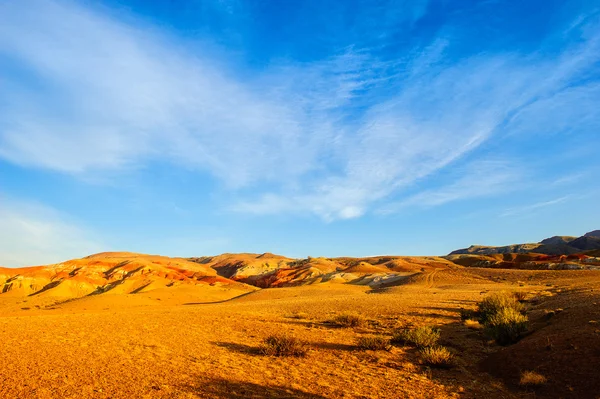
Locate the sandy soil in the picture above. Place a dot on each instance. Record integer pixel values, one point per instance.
(171, 343)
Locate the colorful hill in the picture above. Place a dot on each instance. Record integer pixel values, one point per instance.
(107, 273)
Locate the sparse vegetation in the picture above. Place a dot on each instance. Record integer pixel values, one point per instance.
(421, 337)
(503, 317)
(373, 342)
(532, 378)
(349, 320)
(506, 326)
(298, 316)
(437, 356)
(283, 345)
(521, 296)
(495, 302)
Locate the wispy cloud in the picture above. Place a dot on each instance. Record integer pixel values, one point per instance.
(479, 179)
(533, 207)
(87, 94)
(569, 179)
(33, 234)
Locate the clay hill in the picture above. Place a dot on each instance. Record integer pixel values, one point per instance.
(269, 270)
(227, 275)
(114, 273)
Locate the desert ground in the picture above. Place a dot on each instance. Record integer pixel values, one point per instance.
(203, 340)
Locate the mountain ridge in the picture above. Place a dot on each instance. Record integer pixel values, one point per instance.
(556, 245)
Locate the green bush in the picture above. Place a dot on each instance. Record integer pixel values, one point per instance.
(283, 345)
(506, 326)
(349, 320)
(373, 342)
(437, 356)
(420, 337)
(493, 303)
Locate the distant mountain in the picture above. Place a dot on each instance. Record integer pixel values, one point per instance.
(557, 245)
(556, 240)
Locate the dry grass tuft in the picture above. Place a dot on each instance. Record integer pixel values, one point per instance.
(373, 342)
(532, 378)
(420, 337)
(437, 356)
(283, 345)
(472, 324)
(506, 326)
(349, 320)
(298, 316)
(520, 296)
(495, 302)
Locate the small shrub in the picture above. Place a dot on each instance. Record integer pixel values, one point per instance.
(349, 320)
(420, 337)
(506, 326)
(532, 378)
(283, 345)
(298, 316)
(373, 342)
(437, 356)
(493, 303)
(520, 296)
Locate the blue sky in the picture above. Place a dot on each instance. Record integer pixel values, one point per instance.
(319, 128)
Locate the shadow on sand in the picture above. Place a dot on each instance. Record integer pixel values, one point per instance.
(223, 301)
(240, 348)
(224, 389)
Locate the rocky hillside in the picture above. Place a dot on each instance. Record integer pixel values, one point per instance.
(557, 245)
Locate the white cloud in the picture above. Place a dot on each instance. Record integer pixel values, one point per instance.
(112, 95)
(330, 138)
(33, 234)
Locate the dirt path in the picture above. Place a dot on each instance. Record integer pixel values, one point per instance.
(430, 278)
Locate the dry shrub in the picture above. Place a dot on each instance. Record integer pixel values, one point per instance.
(506, 326)
(437, 356)
(494, 303)
(349, 320)
(298, 316)
(520, 295)
(472, 324)
(373, 342)
(420, 337)
(532, 378)
(283, 345)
